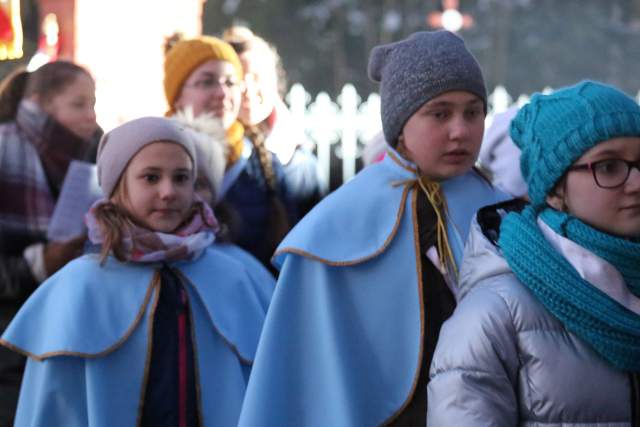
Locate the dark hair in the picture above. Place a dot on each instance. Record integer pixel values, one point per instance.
(46, 82)
(11, 92)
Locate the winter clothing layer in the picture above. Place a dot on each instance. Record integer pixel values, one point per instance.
(553, 131)
(35, 152)
(344, 336)
(504, 360)
(88, 363)
(246, 193)
(608, 327)
(416, 70)
(143, 245)
(186, 55)
(118, 146)
(170, 396)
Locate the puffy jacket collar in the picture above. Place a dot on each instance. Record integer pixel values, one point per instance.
(482, 257)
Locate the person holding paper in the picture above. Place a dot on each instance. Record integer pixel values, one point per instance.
(47, 120)
(161, 326)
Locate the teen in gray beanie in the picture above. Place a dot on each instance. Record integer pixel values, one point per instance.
(415, 70)
(399, 227)
(118, 146)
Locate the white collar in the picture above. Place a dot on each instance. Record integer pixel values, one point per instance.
(593, 269)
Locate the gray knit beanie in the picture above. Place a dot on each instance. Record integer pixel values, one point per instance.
(415, 70)
(118, 146)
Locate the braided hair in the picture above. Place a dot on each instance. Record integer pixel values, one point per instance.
(278, 221)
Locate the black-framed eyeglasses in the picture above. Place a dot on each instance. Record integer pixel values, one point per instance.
(609, 173)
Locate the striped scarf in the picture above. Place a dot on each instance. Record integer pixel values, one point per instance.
(609, 328)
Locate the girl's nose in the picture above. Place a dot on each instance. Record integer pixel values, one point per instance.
(167, 189)
(633, 182)
(458, 128)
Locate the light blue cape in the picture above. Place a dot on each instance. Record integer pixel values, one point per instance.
(343, 337)
(87, 333)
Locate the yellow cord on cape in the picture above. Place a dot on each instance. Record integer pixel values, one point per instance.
(235, 141)
(434, 194)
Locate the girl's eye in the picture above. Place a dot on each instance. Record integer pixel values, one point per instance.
(610, 167)
(151, 178)
(182, 178)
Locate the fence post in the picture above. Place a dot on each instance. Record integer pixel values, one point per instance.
(322, 127)
(349, 102)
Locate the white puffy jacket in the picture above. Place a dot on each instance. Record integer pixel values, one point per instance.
(503, 360)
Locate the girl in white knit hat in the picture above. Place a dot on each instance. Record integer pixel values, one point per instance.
(119, 337)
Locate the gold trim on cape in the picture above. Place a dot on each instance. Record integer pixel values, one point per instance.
(102, 353)
(156, 283)
(416, 238)
(384, 246)
(232, 346)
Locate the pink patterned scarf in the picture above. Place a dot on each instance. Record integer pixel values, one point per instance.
(144, 245)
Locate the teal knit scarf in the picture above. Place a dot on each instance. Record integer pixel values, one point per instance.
(608, 327)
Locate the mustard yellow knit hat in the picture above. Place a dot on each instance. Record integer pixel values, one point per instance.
(186, 55)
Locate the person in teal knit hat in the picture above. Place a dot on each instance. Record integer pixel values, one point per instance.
(547, 330)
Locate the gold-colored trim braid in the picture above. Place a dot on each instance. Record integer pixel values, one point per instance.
(156, 284)
(400, 163)
(384, 246)
(433, 192)
(232, 346)
(196, 359)
(416, 238)
(114, 347)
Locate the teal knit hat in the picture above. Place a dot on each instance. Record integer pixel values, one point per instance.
(553, 131)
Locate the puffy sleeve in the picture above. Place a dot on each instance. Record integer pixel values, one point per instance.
(474, 369)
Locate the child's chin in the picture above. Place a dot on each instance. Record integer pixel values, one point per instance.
(164, 227)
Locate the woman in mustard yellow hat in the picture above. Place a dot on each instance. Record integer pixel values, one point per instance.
(203, 82)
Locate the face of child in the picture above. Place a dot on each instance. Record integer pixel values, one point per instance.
(74, 107)
(212, 87)
(612, 210)
(261, 86)
(443, 136)
(159, 186)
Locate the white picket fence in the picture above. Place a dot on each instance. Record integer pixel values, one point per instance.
(345, 125)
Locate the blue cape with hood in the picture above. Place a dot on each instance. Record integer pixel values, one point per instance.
(342, 341)
(87, 332)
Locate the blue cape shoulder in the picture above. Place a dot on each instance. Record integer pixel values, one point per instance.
(342, 341)
(88, 310)
(365, 214)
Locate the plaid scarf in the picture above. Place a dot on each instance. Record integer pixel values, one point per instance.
(35, 152)
(144, 245)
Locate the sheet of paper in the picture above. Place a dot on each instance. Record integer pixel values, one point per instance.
(80, 190)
